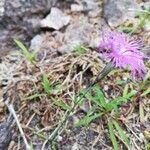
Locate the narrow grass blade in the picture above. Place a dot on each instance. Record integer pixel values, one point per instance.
(46, 84)
(122, 134)
(100, 95)
(131, 94)
(113, 104)
(28, 55)
(146, 92)
(61, 104)
(34, 96)
(112, 135)
(96, 96)
(87, 119)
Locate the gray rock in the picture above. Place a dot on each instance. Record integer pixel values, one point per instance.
(2, 2)
(77, 7)
(56, 19)
(36, 42)
(5, 133)
(117, 11)
(76, 34)
(92, 7)
(21, 19)
(85, 5)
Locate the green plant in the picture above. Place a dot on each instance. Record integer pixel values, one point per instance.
(46, 84)
(30, 56)
(101, 108)
(99, 99)
(51, 87)
(143, 16)
(90, 116)
(79, 50)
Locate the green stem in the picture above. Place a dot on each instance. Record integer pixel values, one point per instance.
(99, 77)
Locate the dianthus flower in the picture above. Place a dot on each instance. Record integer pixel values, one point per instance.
(123, 51)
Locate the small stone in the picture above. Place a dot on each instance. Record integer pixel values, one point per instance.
(91, 5)
(36, 42)
(94, 14)
(59, 139)
(141, 136)
(76, 7)
(2, 2)
(55, 20)
(106, 88)
(95, 42)
(75, 146)
(125, 78)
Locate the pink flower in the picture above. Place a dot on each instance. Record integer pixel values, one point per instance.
(123, 51)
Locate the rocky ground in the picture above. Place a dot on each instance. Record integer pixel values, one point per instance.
(54, 29)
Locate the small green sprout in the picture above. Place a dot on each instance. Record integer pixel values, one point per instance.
(46, 84)
(79, 50)
(30, 56)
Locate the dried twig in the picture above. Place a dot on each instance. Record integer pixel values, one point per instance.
(12, 111)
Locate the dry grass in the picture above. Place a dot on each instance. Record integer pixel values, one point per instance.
(69, 73)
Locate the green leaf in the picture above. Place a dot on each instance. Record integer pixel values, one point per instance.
(46, 84)
(112, 135)
(146, 92)
(131, 94)
(122, 134)
(28, 55)
(61, 104)
(100, 96)
(81, 98)
(113, 104)
(34, 96)
(143, 18)
(87, 119)
(96, 96)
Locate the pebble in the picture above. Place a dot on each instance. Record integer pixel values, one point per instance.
(51, 22)
(36, 42)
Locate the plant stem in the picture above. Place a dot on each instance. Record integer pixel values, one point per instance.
(107, 69)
